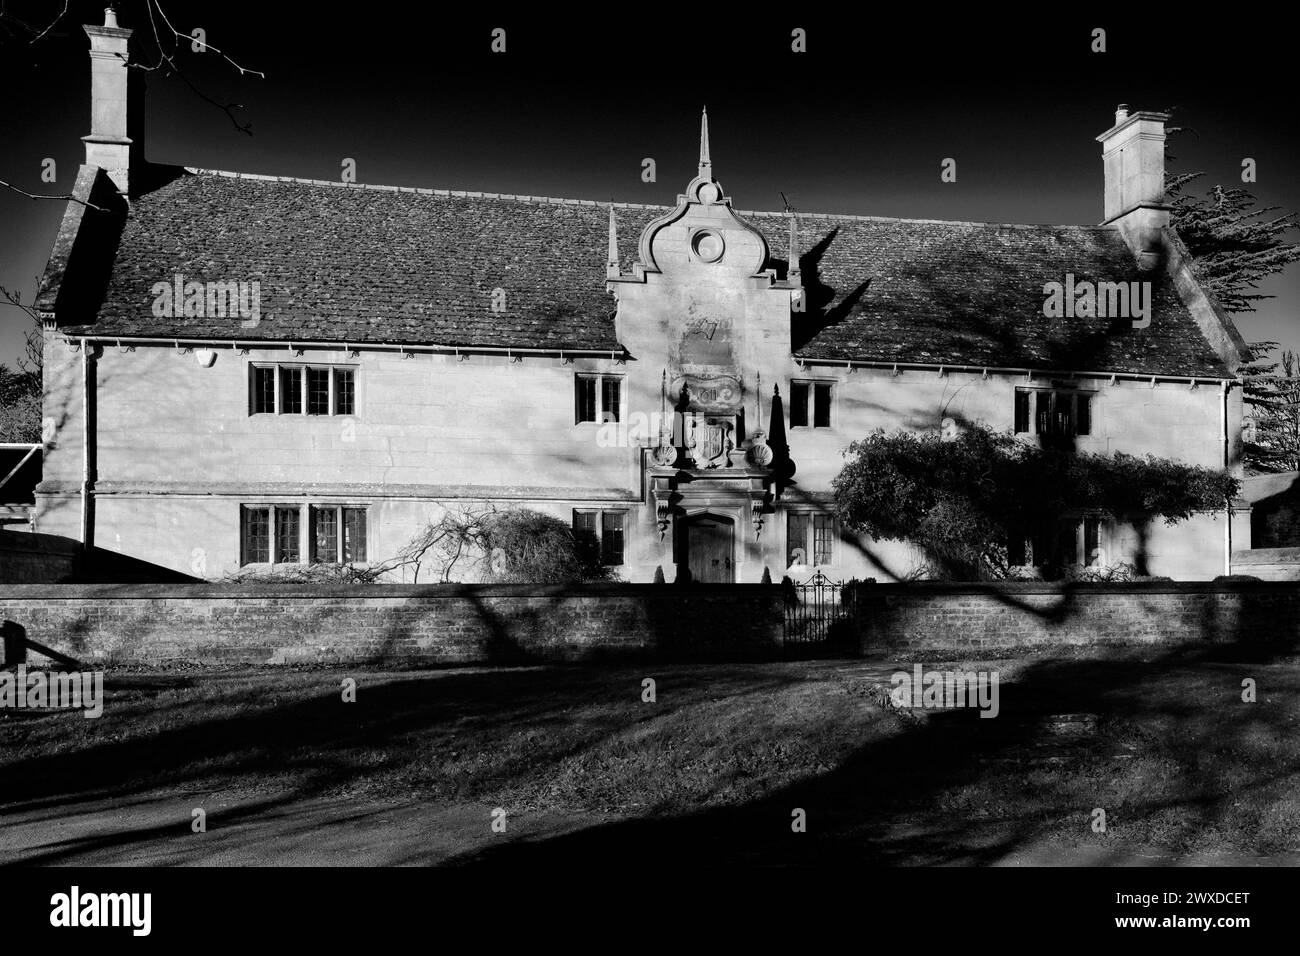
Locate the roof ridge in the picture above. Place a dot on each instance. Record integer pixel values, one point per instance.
(942, 222)
(420, 190)
(561, 201)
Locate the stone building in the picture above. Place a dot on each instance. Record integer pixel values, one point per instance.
(249, 370)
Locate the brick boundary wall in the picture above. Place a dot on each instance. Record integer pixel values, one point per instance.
(474, 624)
(436, 624)
(26, 556)
(977, 618)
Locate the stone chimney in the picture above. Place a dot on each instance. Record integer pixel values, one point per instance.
(115, 142)
(1133, 152)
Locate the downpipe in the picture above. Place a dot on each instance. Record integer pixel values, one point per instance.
(87, 452)
(1227, 525)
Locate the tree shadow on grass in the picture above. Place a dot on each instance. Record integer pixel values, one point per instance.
(317, 745)
(918, 797)
(952, 788)
(879, 805)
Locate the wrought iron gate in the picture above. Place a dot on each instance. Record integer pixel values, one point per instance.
(819, 613)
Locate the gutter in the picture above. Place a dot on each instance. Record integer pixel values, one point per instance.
(621, 355)
(245, 344)
(945, 368)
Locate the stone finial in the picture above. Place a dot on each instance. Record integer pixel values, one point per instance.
(792, 273)
(706, 164)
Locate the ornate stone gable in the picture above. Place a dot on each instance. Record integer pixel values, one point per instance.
(702, 307)
(703, 239)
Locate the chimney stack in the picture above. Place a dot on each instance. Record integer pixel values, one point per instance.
(115, 114)
(1133, 152)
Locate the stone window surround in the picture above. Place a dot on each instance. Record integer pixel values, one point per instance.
(809, 544)
(334, 387)
(810, 405)
(600, 513)
(1057, 390)
(600, 378)
(306, 537)
(1106, 547)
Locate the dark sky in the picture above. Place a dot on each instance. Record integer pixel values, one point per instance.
(858, 124)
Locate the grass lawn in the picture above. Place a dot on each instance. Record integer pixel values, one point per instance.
(714, 767)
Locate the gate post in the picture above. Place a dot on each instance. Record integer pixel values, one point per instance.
(15, 641)
(864, 618)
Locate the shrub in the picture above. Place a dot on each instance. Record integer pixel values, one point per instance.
(1024, 572)
(530, 547)
(517, 545)
(1121, 572)
(308, 574)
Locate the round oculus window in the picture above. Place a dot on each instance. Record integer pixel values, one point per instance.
(707, 246)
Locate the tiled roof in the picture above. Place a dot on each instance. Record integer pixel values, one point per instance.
(365, 264)
(377, 264)
(955, 293)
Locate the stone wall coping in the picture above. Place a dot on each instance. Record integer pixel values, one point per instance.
(1267, 556)
(922, 588)
(148, 592)
(290, 591)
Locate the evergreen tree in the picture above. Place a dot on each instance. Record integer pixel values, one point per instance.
(1235, 245)
(1272, 395)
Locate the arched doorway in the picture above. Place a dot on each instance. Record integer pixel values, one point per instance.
(709, 548)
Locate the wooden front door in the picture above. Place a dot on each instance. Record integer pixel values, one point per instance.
(710, 549)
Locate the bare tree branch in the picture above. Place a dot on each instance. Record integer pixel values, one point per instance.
(206, 45)
(169, 60)
(56, 20)
(69, 196)
(30, 363)
(12, 298)
(8, 18)
(227, 108)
